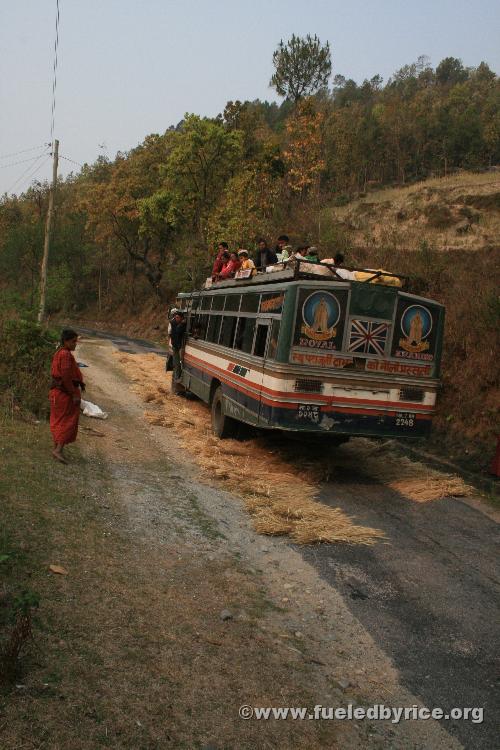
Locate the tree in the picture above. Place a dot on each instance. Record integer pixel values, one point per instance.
(302, 67)
(204, 156)
(119, 214)
(451, 71)
(304, 148)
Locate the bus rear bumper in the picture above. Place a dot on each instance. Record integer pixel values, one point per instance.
(313, 420)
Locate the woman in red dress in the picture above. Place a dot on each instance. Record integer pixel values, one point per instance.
(65, 395)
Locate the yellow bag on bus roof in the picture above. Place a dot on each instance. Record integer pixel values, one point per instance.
(382, 279)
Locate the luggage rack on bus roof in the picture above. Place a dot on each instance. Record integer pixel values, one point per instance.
(292, 271)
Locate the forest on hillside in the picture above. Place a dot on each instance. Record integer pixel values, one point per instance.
(144, 224)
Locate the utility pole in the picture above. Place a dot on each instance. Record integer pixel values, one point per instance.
(48, 228)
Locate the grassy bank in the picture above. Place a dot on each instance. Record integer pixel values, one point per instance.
(116, 637)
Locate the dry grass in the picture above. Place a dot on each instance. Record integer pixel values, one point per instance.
(412, 479)
(280, 485)
(274, 489)
(433, 211)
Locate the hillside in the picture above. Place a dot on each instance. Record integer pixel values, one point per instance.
(460, 212)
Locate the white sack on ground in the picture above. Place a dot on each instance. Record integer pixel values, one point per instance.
(92, 410)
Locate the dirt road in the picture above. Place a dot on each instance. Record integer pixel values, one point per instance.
(410, 621)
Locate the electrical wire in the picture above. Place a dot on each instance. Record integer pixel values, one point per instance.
(22, 161)
(24, 151)
(32, 173)
(54, 77)
(66, 158)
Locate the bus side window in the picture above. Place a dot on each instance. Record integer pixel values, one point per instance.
(218, 301)
(213, 329)
(244, 334)
(273, 342)
(232, 302)
(259, 348)
(199, 327)
(227, 330)
(250, 302)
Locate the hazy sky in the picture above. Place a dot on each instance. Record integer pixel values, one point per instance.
(132, 67)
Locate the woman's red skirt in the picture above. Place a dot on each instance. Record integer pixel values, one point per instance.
(64, 416)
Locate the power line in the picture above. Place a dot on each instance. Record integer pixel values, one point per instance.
(23, 151)
(32, 173)
(66, 158)
(54, 77)
(22, 161)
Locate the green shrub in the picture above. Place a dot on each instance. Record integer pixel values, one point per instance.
(26, 351)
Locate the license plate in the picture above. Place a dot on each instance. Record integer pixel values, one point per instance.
(308, 412)
(405, 419)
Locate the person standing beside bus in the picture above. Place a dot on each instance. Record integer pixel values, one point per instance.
(65, 394)
(177, 331)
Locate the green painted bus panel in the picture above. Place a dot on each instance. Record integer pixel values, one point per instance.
(372, 300)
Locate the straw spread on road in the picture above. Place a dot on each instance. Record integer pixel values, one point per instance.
(279, 484)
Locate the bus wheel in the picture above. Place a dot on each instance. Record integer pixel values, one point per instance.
(222, 425)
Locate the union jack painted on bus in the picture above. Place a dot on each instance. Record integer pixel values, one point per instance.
(368, 337)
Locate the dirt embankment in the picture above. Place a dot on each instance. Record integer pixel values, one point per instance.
(461, 212)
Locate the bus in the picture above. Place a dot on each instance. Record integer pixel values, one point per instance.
(305, 350)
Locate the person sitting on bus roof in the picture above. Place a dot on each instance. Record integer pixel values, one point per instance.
(246, 262)
(224, 260)
(222, 251)
(264, 256)
(312, 255)
(230, 268)
(301, 252)
(285, 254)
(282, 241)
(337, 261)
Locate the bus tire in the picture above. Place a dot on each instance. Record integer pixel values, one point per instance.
(222, 426)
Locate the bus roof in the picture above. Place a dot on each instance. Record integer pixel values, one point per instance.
(292, 275)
